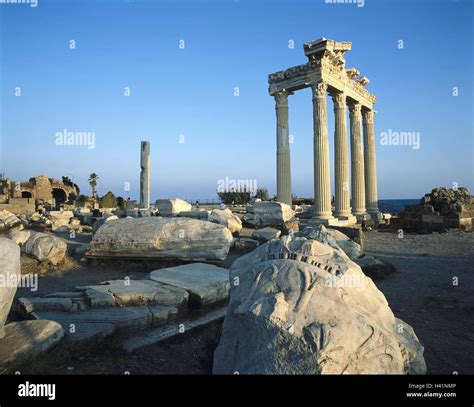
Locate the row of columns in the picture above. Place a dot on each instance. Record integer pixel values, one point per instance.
(363, 166)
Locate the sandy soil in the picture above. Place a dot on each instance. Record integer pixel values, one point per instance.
(420, 291)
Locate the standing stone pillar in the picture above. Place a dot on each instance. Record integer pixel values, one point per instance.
(357, 161)
(341, 159)
(283, 149)
(145, 175)
(370, 164)
(322, 181)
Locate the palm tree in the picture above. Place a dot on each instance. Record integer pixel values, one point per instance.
(93, 182)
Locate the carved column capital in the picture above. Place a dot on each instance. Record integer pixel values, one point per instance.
(281, 98)
(339, 100)
(319, 90)
(355, 109)
(368, 116)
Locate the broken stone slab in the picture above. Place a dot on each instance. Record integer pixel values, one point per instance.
(25, 340)
(123, 318)
(161, 238)
(10, 273)
(249, 219)
(162, 314)
(9, 221)
(44, 246)
(168, 207)
(205, 283)
(272, 213)
(19, 236)
(226, 218)
(245, 244)
(62, 217)
(99, 299)
(155, 335)
(140, 292)
(65, 294)
(97, 324)
(310, 310)
(266, 234)
(27, 305)
(89, 333)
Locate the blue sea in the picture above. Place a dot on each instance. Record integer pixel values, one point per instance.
(395, 205)
(385, 205)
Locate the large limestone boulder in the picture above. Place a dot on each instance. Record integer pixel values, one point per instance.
(8, 221)
(272, 213)
(9, 277)
(302, 307)
(165, 238)
(44, 246)
(334, 238)
(174, 206)
(226, 218)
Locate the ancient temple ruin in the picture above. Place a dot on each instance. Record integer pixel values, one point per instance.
(20, 197)
(326, 73)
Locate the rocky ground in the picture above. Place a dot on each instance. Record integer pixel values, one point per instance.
(420, 291)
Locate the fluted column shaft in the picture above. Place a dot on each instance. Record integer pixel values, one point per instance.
(341, 157)
(370, 162)
(283, 149)
(322, 180)
(357, 160)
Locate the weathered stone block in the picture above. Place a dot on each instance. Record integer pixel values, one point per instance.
(205, 283)
(166, 238)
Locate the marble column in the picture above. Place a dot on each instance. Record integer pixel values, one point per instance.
(341, 158)
(370, 164)
(145, 175)
(283, 149)
(322, 180)
(357, 161)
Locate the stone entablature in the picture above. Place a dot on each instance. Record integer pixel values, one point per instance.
(327, 65)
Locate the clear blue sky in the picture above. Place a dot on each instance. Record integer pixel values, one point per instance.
(190, 91)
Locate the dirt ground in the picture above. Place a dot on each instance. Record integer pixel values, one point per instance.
(422, 291)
